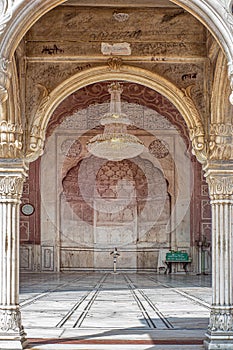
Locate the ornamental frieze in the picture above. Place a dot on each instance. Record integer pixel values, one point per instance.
(11, 186)
(220, 186)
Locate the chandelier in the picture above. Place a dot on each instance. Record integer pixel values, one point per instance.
(115, 143)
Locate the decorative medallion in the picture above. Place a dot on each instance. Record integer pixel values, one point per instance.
(159, 149)
(27, 209)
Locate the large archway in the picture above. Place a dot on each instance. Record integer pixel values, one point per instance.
(23, 137)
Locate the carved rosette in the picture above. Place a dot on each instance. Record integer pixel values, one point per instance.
(10, 321)
(221, 320)
(159, 149)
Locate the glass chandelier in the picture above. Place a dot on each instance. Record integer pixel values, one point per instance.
(115, 143)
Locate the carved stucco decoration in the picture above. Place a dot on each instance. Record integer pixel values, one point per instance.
(220, 185)
(10, 133)
(10, 321)
(115, 63)
(230, 74)
(5, 13)
(197, 133)
(4, 85)
(182, 99)
(220, 144)
(228, 16)
(11, 186)
(221, 321)
(37, 133)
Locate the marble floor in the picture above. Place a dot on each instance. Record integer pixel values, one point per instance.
(115, 311)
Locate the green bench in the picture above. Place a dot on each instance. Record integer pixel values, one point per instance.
(177, 257)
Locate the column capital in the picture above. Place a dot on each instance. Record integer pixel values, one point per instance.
(219, 176)
(12, 177)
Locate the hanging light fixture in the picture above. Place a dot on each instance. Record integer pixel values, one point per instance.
(115, 143)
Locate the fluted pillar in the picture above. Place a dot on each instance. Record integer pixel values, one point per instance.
(12, 175)
(220, 329)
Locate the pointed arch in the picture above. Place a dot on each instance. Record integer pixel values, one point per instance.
(180, 98)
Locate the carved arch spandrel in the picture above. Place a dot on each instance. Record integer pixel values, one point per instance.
(220, 124)
(219, 99)
(181, 99)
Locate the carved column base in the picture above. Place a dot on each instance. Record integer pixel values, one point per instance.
(220, 330)
(12, 335)
(218, 342)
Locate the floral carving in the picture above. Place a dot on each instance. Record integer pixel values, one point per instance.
(220, 144)
(230, 75)
(220, 186)
(197, 137)
(10, 140)
(4, 83)
(228, 16)
(5, 13)
(11, 186)
(197, 133)
(10, 320)
(221, 321)
(115, 63)
(37, 133)
(10, 133)
(231, 79)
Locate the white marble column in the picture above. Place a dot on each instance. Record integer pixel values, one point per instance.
(12, 176)
(220, 329)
